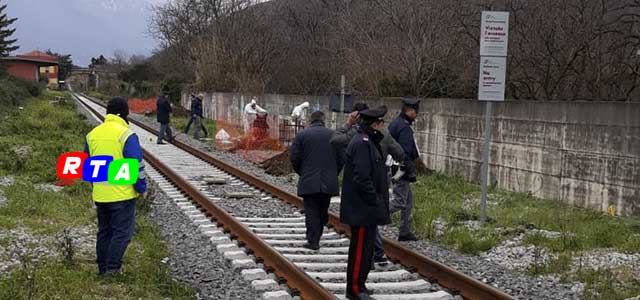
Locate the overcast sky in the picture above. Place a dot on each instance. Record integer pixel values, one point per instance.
(83, 28)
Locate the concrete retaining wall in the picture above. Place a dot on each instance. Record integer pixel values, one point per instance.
(582, 153)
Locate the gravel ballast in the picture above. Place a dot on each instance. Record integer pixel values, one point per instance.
(194, 259)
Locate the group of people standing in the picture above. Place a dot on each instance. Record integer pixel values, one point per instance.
(368, 154)
(362, 148)
(163, 116)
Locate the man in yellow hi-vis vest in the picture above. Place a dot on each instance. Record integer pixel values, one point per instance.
(115, 203)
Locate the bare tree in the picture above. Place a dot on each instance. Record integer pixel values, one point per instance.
(573, 49)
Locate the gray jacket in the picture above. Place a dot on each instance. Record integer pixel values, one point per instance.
(342, 136)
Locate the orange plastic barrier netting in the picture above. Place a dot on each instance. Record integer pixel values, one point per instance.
(142, 106)
(259, 144)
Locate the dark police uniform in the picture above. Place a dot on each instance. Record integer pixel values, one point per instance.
(400, 129)
(317, 163)
(364, 202)
(388, 146)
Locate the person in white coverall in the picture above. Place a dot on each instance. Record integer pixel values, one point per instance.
(299, 116)
(300, 112)
(250, 112)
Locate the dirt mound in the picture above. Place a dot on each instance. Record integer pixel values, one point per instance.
(279, 165)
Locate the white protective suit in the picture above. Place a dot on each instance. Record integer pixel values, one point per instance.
(249, 114)
(300, 112)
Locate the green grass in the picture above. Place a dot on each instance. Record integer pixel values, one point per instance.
(443, 197)
(46, 212)
(48, 130)
(51, 130)
(446, 198)
(608, 284)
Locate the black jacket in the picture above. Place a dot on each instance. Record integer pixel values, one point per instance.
(315, 160)
(365, 187)
(163, 110)
(196, 107)
(400, 129)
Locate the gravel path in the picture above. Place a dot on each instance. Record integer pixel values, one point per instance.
(18, 246)
(519, 285)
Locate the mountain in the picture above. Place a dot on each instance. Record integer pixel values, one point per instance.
(84, 28)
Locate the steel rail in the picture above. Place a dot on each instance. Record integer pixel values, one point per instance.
(447, 277)
(295, 278)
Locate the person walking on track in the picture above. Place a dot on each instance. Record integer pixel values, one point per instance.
(163, 116)
(317, 163)
(388, 146)
(115, 203)
(196, 117)
(364, 201)
(400, 129)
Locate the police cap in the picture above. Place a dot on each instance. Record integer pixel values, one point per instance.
(374, 114)
(413, 103)
(360, 106)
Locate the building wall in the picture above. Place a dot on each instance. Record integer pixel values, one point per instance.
(582, 153)
(22, 70)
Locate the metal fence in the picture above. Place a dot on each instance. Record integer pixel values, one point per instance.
(288, 130)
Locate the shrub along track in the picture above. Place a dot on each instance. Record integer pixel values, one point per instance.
(281, 264)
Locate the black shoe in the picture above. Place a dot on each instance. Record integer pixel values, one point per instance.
(381, 262)
(361, 296)
(313, 247)
(407, 237)
(160, 143)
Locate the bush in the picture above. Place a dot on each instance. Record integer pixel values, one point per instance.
(33, 88)
(13, 91)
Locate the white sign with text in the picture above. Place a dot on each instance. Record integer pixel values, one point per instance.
(492, 80)
(494, 33)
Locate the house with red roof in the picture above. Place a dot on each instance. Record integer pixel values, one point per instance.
(35, 65)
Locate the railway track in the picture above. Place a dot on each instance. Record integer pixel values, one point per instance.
(202, 185)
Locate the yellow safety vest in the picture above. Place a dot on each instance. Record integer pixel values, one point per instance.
(109, 139)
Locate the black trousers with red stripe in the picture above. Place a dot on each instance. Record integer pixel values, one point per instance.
(360, 259)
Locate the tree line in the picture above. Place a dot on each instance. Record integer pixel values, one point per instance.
(558, 50)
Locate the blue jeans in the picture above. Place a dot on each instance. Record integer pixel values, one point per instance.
(378, 251)
(116, 223)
